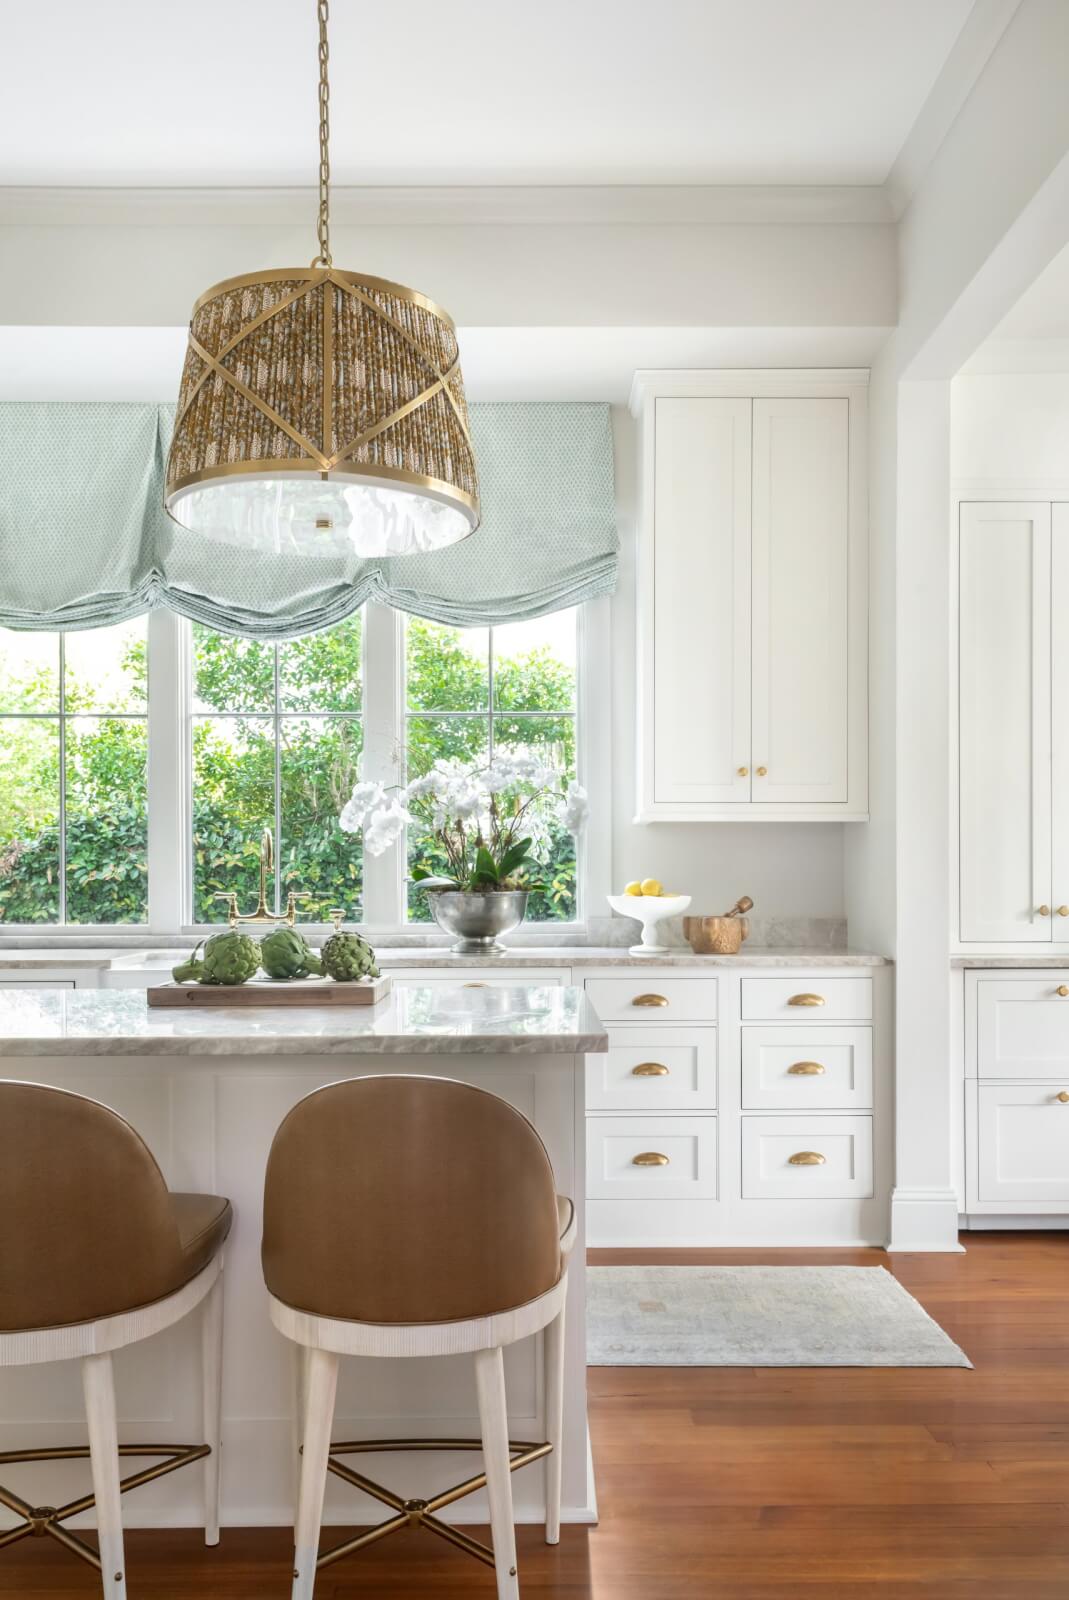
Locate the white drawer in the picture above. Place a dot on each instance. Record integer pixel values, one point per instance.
(806, 999)
(687, 1144)
(650, 996)
(811, 1069)
(659, 1069)
(1022, 1026)
(769, 1143)
(1023, 1142)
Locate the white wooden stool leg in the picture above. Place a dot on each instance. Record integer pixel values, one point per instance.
(98, 1384)
(212, 1396)
(493, 1416)
(322, 1388)
(553, 1376)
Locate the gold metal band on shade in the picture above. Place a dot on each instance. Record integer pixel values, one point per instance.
(312, 369)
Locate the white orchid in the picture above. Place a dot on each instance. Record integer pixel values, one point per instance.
(576, 808)
(385, 827)
(365, 799)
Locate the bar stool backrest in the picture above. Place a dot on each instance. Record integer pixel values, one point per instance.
(87, 1229)
(407, 1199)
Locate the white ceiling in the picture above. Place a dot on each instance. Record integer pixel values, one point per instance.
(222, 92)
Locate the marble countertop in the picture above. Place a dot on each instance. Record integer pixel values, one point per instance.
(503, 1020)
(1034, 960)
(557, 956)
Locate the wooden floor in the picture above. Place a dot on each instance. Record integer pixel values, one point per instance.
(922, 1484)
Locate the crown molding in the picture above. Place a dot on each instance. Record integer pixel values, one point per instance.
(659, 205)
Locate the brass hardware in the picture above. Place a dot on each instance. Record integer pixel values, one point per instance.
(418, 1513)
(1063, 911)
(807, 1158)
(806, 1069)
(649, 1000)
(806, 1000)
(744, 772)
(649, 1158)
(762, 772)
(476, 983)
(39, 1521)
(1044, 911)
(261, 914)
(1063, 1097)
(1062, 989)
(649, 1069)
(323, 220)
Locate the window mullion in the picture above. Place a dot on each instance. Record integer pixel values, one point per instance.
(62, 780)
(169, 773)
(383, 757)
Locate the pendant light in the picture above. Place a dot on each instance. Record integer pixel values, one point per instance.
(322, 411)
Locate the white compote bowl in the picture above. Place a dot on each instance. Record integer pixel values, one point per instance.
(649, 909)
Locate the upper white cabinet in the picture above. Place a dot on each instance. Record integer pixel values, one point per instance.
(752, 599)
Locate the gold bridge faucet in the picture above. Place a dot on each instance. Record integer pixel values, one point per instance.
(262, 914)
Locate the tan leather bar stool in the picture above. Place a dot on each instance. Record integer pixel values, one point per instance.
(96, 1254)
(408, 1216)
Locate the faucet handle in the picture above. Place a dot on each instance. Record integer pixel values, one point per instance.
(337, 916)
(231, 904)
(291, 903)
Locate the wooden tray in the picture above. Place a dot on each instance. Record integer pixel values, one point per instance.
(273, 992)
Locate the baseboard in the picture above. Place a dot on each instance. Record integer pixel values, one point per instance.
(977, 1222)
(925, 1220)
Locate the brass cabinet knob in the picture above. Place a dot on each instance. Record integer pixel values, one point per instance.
(649, 1158)
(762, 772)
(1062, 989)
(807, 1158)
(1063, 1097)
(744, 772)
(649, 1000)
(1063, 911)
(806, 1069)
(1044, 911)
(649, 1069)
(806, 1000)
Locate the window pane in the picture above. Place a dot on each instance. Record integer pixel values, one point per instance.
(29, 817)
(551, 736)
(231, 674)
(320, 759)
(448, 669)
(557, 872)
(534, 664)
(233, 802)
(107, 819)
(29, 671)
(107, 668)
(432, 739)
(322, 671)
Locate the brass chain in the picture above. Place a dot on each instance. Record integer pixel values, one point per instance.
(324, 259)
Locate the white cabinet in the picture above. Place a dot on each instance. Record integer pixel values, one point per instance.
(752, 601)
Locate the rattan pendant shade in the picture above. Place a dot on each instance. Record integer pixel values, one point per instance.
(322, 409)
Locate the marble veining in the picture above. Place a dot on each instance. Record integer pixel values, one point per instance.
(1009, 961)
(500, 1020)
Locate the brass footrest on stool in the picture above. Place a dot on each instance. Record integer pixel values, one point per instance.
(418, 1513)
(40, 1521)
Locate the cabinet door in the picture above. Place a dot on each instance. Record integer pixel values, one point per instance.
(1059, 721)
(700, 596)
(1004, 714)
(801, 526)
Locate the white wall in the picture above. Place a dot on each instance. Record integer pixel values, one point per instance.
(1010, 431)
(789, 869)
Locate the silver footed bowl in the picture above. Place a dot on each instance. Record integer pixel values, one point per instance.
(477, 918)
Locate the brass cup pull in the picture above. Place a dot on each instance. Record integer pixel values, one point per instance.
(806, 1000)
(1063, 1098)
(649, 1069)
(807, 1158)
(1044, 911)
(1062, 989)
(806, 1069)
(649, 1000)
(651, 1158)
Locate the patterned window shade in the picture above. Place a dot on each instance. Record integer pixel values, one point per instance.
(85, 542)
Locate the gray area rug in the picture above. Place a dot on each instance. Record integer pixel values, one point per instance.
(759, 1317)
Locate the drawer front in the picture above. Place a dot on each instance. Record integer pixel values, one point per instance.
(651, 1069)
(650, 997)
(769, 1143)
(1023, 1142)
(1022, 1026)
(622, 1157)
(807, 1069)
(806, 999)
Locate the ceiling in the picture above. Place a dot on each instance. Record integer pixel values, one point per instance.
(222, 92)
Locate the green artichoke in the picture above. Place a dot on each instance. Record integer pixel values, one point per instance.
(346, 957)
(230, 958)
(286, 954)
(189, 971)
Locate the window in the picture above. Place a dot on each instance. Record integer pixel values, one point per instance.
(473, 691)
(73, 776)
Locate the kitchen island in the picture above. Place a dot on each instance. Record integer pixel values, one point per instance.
(207, 1090)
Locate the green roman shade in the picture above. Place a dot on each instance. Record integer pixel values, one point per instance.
(85, 541)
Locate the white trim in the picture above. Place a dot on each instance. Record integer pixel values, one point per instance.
(383, 674)
(925, 1220)
(169, 772)
(594, 754)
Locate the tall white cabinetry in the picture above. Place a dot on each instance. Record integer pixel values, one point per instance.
(752, 596)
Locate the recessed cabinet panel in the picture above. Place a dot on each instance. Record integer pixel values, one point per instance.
(801, 558)
(1022, 1027)
(701, 601)
(808, 1069)
(654, 1158)
(1023, 1144)
(1004, 697)
(800, 1158)
(663, 1069)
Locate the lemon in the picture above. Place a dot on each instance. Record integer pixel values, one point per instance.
(650, 886)
(633, 888)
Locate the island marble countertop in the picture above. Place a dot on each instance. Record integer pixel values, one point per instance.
(555, 956)
(524, 1019)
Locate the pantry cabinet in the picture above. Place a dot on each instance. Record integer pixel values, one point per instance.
(752, 693)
